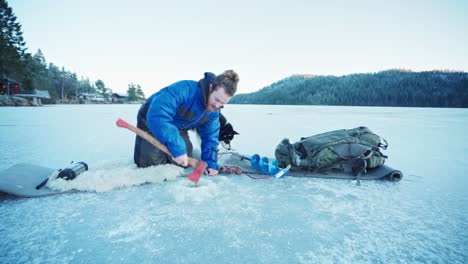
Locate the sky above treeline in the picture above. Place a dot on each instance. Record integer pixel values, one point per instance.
(156, 43)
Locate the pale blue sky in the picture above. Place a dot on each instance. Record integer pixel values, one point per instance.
(155, 43)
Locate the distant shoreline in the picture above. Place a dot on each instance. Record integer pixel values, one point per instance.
(9, 100)
(16, 101)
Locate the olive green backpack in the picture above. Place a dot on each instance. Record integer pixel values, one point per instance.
(355, 150)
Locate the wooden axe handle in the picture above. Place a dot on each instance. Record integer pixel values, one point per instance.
(122, 123)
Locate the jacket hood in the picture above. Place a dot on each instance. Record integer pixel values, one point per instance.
(204, 85)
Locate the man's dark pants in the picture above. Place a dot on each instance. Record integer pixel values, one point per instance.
(145, 154)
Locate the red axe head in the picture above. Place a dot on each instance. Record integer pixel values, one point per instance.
(121, 123)
(197, 172)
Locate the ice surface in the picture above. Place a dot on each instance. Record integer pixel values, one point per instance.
(234, 219)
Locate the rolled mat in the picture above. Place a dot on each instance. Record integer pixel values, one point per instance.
(383, 172)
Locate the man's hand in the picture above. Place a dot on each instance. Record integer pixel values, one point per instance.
(181, 160)
(211, 172)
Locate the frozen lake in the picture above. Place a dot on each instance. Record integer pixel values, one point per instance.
(235, 219)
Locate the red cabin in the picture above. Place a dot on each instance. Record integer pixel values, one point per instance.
(9, 86)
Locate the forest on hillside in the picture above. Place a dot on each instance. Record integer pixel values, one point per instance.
(385, 88)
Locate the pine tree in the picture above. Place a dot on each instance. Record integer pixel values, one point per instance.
(12, 45)
(139, 93)
(36, 73)
(131, 92)
(101, 87)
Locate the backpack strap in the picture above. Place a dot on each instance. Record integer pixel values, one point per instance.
(383, 146)
(359, 168)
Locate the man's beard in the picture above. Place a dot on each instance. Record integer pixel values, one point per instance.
(211, 108)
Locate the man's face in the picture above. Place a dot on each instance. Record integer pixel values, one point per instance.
(217, 99)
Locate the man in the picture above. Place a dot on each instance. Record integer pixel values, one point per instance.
(171, 112)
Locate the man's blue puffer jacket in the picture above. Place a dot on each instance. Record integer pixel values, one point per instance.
(182, 106)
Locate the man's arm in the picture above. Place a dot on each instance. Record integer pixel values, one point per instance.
(161, 114)
(209, 133)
